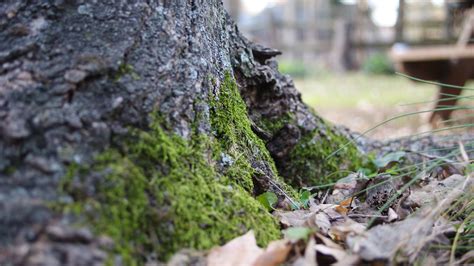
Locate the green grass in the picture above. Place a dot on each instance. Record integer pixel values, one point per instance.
(348, 90)
(360, 101)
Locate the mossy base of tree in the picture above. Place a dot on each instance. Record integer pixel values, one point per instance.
(161, 193)
(165, 195)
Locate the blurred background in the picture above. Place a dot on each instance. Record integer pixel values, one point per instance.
(337, 51)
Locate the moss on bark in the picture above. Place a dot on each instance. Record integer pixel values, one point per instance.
(232, 128)
(308, 162)
(312, 161)
(273, 125)
(161, 193)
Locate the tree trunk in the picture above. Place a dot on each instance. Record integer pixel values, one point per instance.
(129, 118)
(149, 125)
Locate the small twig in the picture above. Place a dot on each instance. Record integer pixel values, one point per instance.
(361, 216)
(354, 215)
(325, 197)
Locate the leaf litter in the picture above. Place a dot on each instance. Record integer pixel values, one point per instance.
(384, 219)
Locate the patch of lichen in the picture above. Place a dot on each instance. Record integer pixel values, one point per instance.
(312, 161)
(160, 193)
(232, 129)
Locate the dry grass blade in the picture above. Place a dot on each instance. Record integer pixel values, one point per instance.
(433, 82)
(456, 238)
(464, 155)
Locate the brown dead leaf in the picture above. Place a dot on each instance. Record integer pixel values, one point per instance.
(405, 239)
(296, 218)
(342, 210)
(344, 206)
(309, 258)
(326, 241)
(322, 222)
(328, 251)
(328, 209)
(243, 250)
(435, 190)
(275, 254)
(336, 253)
(348, 186)
(444, 171)
(347, 202)
(349, 227)
(318, 216)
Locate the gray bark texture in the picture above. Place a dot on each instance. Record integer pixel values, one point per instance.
(75, 76)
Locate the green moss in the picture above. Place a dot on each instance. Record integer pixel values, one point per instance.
(310, 163)
(233, 130)
(164, 196)
(125, 69)
(9, 170)
(162, 193)
(273, 125)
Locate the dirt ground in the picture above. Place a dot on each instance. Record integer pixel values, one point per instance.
(360, 102)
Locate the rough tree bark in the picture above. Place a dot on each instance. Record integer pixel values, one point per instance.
(150, 125)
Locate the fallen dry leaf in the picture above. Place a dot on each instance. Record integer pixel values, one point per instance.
(406, 238)
(329, 209)
(322, 222)
(275, 254)
(348, 187)
(444, 170)
(328, 251)
(327, 242)
(349, 227)
(347, 202)
(293, 218)
(392, 215)
(318, 216)
(343, 207)
(435, 190)
(243, 250)
(309, 258)
(342, 210)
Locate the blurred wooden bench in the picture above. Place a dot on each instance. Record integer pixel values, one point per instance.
(448, 64)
